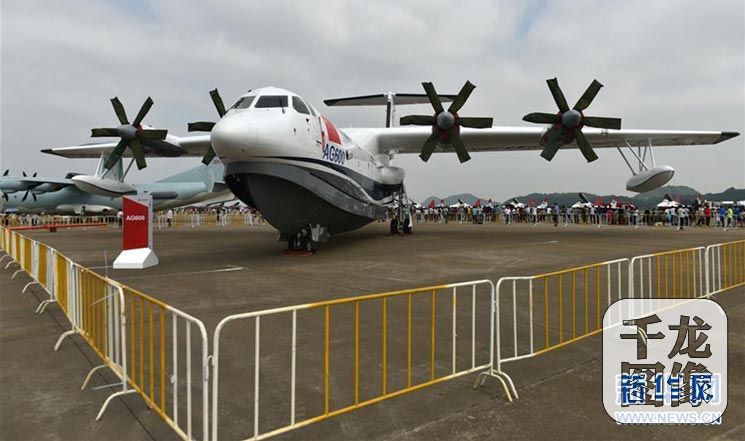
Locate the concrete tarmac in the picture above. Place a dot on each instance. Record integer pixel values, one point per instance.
(211, 272)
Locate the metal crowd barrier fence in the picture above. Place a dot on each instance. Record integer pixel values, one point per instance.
(355, 366)
(124, 328)
(725, 266)
(540, 313)
(670, 274)
(160, 339)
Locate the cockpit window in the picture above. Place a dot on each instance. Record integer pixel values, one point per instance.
(299, 105)
(271, 101)
(244, 102)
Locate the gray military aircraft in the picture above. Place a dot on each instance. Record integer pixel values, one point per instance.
(102, 193)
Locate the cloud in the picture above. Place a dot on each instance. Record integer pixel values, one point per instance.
(665, 64)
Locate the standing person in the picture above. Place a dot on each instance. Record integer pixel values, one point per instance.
(729, 219)
(707, 215)
(169, 217)
(119, 216)
(681, 212)
(556, 214)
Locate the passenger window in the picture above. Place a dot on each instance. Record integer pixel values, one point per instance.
(299, 105)
(271, 101)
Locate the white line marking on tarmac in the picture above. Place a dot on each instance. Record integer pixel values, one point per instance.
(219, 270)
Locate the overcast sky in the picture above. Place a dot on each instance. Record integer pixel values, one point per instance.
(665, 64)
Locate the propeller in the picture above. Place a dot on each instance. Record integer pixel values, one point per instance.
(131, 134)
(570, 121)
(446, 124)
(25, 196)
(206, 126)
(7, 170)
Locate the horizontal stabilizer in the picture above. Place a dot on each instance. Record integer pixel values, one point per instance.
(382, 99)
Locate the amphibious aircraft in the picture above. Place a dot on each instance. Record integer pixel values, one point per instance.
(310, 179)
(81, 194)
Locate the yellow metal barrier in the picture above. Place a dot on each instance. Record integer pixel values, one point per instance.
(152, 331)
(536, 314)
(726, 266)
(671, 274)
(418, 325)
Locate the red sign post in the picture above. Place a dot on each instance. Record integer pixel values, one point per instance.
(137, 237)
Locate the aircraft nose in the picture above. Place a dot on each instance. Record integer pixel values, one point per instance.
(233, 132)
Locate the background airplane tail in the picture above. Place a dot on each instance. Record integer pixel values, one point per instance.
(211, 176)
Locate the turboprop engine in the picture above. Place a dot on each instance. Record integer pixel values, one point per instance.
(650, 179)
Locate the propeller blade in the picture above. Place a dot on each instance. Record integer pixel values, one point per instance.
(553, 144)
(429, 147)
(584, 146)
(417, 120)
(143, 111)
(119, 110)
(34, 175)
(7, 170)
(5, 196)
(103, 132)
(207, 158)
(24, 174)
(201, 126)
(115, 154)
(602, 122)
(33, 195)
(463, 95)
(429, 88)
(153, 134)
(25, 196)
(561, 101)
(588, 96)
(138, 154)
(217, 100)
(542, 118)
(457, 144)
(475, 122)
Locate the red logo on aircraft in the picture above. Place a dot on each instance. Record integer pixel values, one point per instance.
(332, 132)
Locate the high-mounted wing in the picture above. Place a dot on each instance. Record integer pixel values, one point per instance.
(172, 146)
(499, 139)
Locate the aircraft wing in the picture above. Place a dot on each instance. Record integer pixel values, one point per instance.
(497, 139)
(172, 146)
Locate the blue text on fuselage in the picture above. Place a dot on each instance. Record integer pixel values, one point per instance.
(334, 154)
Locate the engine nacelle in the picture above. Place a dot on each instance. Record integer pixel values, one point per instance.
(102, 186)
(647, 180)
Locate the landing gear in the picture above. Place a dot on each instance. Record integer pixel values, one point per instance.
(301, 243)
(402, 221)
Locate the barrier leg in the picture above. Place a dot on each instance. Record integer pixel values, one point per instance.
(23, 291)
(62, 337)
(43, 306)
(111, 397)
(17, 272)
(90, 374)
(10, 263)
(501, 376)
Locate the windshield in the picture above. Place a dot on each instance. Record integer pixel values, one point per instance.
(243, 103)
(271, 101)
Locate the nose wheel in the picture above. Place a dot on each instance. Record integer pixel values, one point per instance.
(301, 243)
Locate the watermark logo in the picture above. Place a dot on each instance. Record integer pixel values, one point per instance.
(665, 361)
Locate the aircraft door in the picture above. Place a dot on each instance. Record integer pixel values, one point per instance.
(307, 124)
